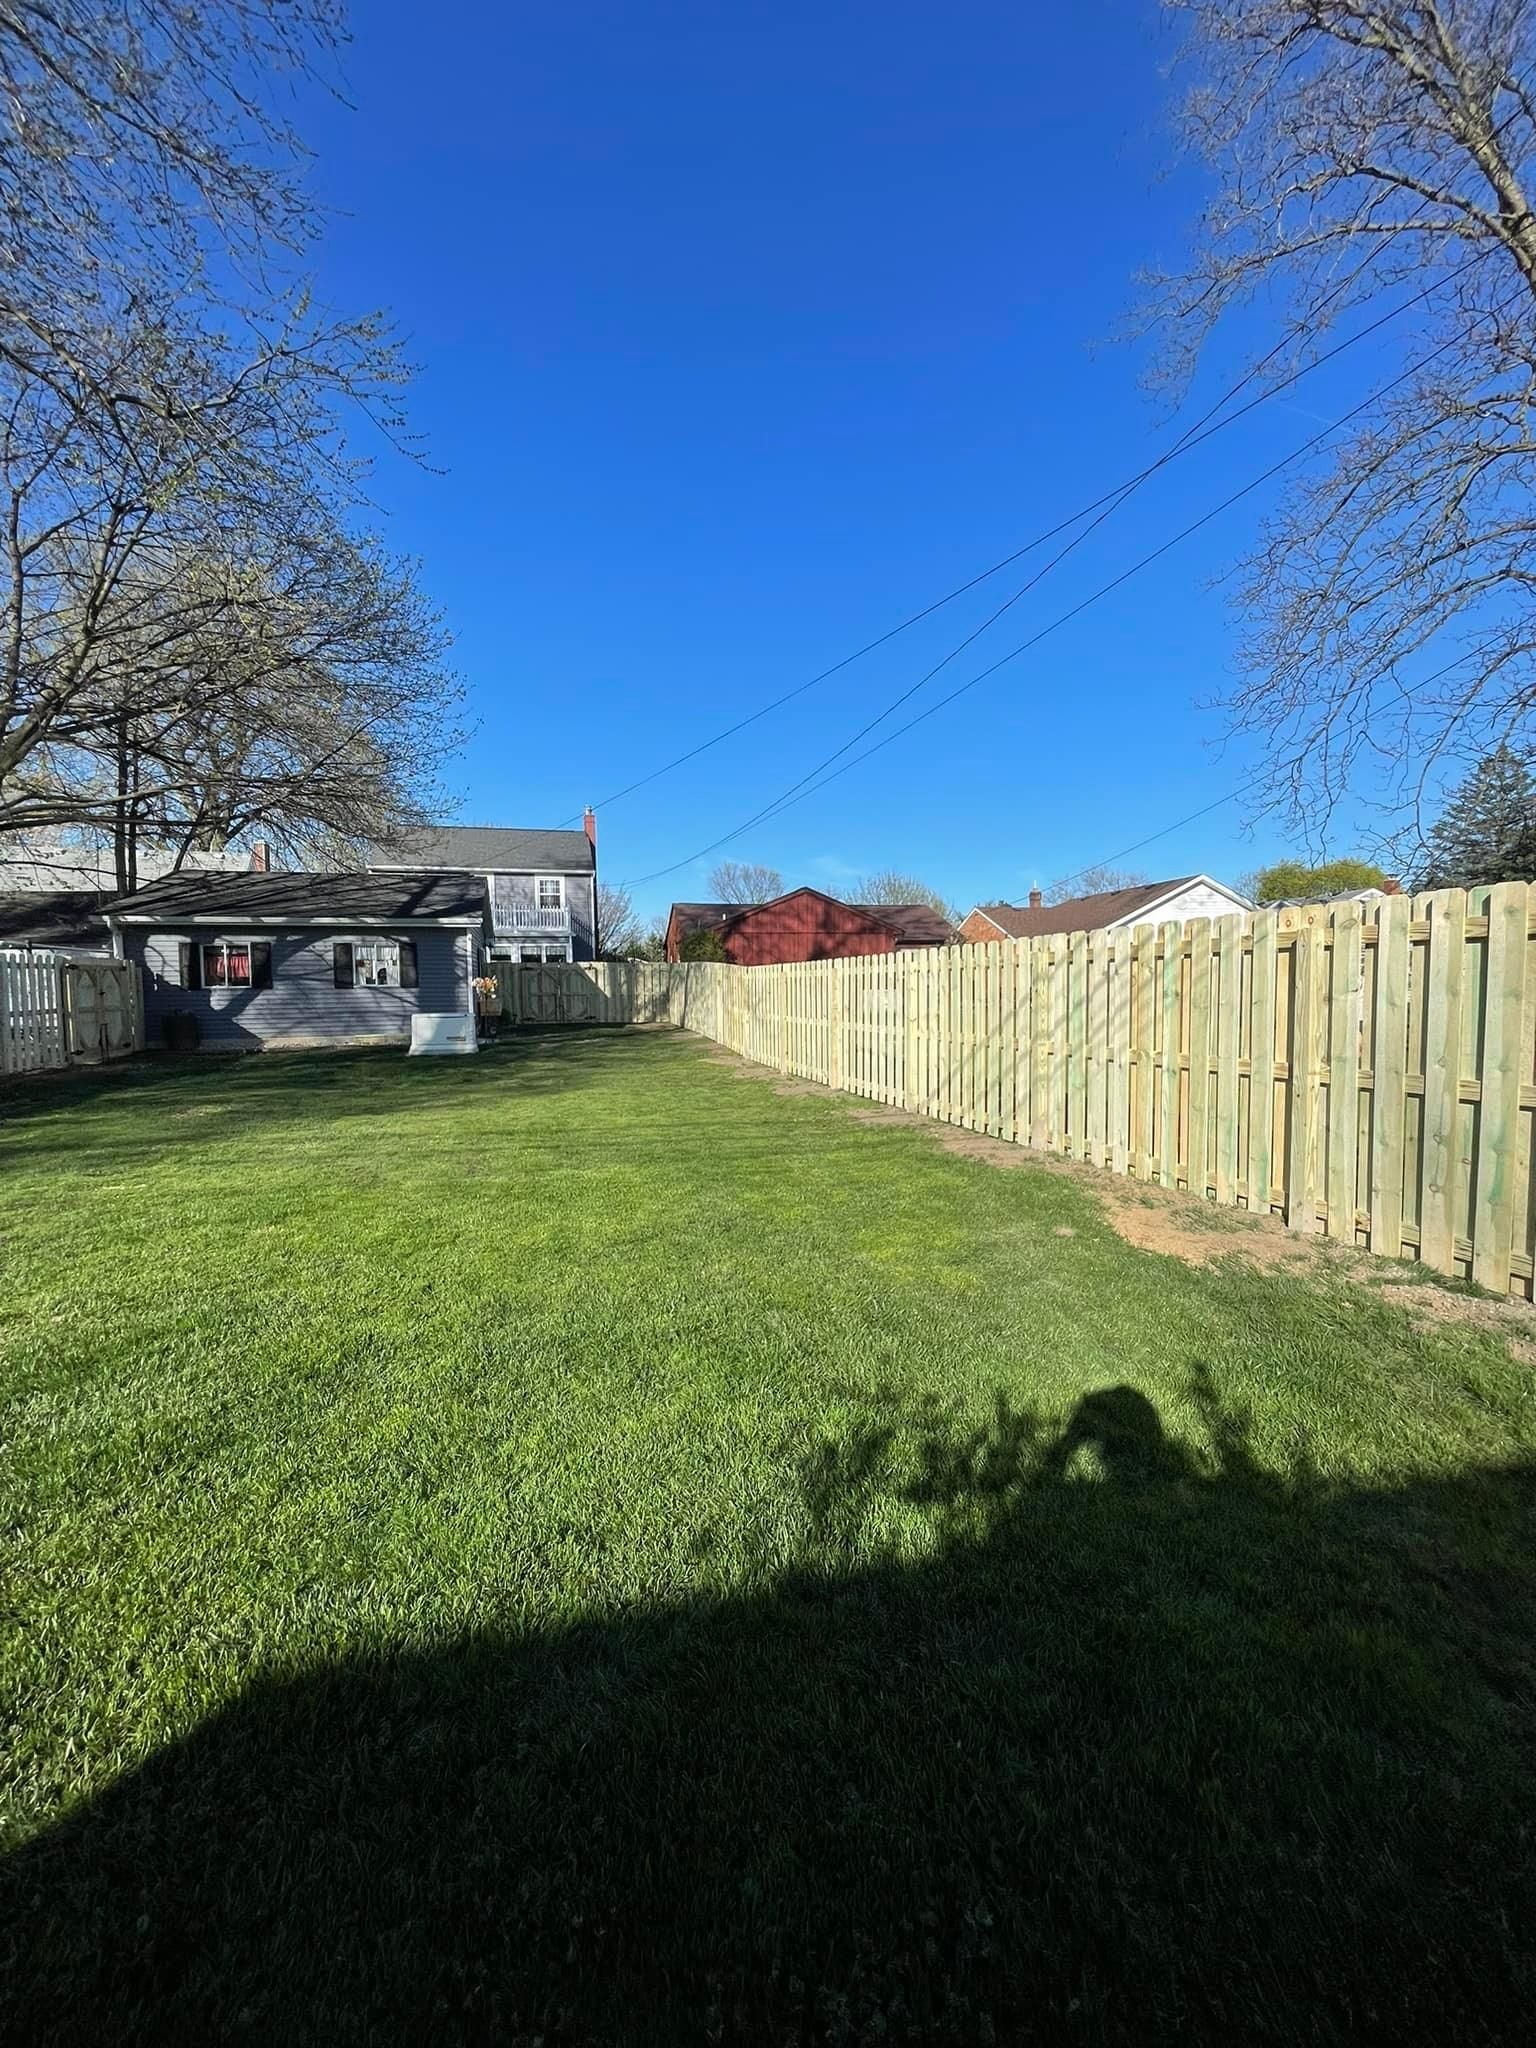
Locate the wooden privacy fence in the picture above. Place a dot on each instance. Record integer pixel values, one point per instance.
(55, 1011)
(609, 992)
(1368, 1070)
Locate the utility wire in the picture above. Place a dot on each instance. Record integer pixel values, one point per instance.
(1241, 789)
(1104, 506)
(799, 791)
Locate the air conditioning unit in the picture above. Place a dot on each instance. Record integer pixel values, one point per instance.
(442, 1032)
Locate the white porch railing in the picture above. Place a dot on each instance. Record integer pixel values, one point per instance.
(521, 917)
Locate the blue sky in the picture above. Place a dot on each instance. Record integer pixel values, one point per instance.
(747, 330)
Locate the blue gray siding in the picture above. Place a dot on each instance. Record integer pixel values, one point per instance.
(303, 1000)
(519, 888)
(578, 894)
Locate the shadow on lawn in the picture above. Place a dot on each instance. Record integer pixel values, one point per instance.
(1147, 1744)
(174, 1092)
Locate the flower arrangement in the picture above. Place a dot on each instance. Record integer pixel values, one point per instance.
(484, 984)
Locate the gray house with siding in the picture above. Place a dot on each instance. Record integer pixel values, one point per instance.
(267, 958)
(541, 886)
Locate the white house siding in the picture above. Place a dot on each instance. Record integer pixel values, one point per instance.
(1198, 900)
(303, 1001)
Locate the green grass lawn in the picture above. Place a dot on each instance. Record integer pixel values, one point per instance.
(577, 1546)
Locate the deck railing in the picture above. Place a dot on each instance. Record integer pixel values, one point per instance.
(522, 917)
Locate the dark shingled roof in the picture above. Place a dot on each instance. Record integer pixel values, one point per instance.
(691, 917)
(308, 899)
(918, 923)
(53, 917)
(1080, 913)
(515, 848)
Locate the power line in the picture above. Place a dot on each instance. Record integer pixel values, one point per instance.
(1104, 507)
(799, 791)
(1242, 788)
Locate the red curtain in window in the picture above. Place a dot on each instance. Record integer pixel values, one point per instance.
(226, 967)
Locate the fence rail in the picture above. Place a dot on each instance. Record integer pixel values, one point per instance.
(1366, 1070)
(56, 1011)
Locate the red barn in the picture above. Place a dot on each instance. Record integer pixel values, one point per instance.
(806, 925)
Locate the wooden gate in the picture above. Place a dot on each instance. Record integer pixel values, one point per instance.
(552, 994)
(55, 1011)
(100, 1009)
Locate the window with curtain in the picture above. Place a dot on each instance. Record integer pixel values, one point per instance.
(226, 963)
(374, 962)
(551, 892)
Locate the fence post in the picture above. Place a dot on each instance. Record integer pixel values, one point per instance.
(1445, 1156)
(1345, 1015)
(1389, 1055)
(1503, 1048)
(1261, 1062)
(1306, 1011)
(1229, 1016)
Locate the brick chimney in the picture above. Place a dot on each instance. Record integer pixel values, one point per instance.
(1391, 886)
(261, 858)
(1035, 899)
(589, 825)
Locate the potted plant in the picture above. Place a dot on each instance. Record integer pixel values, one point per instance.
(487, 1004)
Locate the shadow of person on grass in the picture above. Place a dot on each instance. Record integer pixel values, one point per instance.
(1031, 1733)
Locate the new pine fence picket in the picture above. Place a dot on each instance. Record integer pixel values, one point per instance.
(1366, 1071)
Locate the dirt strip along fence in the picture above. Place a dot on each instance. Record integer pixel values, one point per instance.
(1368, 1071)
(57, 1012)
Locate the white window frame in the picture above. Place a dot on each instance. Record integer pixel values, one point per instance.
(376, 943)
(222, 945)
(557, 882)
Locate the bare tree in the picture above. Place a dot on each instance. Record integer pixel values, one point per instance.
(193, 640)
(1362, 150)
(621, 930)
(1093, 881)
(138, 141)
(890, 885)
(195, 636)
(736, 881)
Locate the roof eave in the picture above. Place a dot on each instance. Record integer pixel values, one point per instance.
(236, 916)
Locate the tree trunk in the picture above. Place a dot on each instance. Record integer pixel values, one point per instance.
(122, 810)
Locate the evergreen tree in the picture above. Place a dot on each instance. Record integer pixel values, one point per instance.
(1487, 832)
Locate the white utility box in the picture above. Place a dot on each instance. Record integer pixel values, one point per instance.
(433, 1031)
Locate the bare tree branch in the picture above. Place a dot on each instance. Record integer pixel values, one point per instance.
(737, 881)
(1407, 132)
(197, 637)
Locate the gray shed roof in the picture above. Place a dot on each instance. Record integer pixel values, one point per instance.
(514, 849)
(387, 898)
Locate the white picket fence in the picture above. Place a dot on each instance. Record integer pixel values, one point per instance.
(59, 1012)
